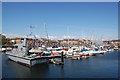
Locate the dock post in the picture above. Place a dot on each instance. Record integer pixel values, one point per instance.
(62, 58)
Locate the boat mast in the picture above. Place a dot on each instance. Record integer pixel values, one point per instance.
(68, 35)
(31, 28)
(45, 31)
(91, 37)
(25, 43)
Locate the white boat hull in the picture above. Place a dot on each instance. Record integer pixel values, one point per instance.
(27, 61)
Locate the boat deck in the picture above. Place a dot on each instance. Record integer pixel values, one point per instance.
(33, 58)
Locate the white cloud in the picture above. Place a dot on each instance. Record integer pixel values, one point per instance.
(53, 37)
(64, 37)
(11, 35)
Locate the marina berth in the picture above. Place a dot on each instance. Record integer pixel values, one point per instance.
(30, 53)
(30, 56)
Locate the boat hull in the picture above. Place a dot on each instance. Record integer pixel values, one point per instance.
(26, 61)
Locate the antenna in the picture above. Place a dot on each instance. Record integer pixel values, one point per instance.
(31, 27)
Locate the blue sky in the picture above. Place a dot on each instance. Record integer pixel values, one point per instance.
(0, 17)
(99, 19)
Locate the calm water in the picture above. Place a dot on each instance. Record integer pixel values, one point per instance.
(101, 66)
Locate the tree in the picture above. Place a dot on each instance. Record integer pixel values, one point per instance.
(3, 39)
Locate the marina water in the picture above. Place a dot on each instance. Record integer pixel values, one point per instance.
(100, 66)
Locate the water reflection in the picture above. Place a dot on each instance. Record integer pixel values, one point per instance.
(13, 69)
